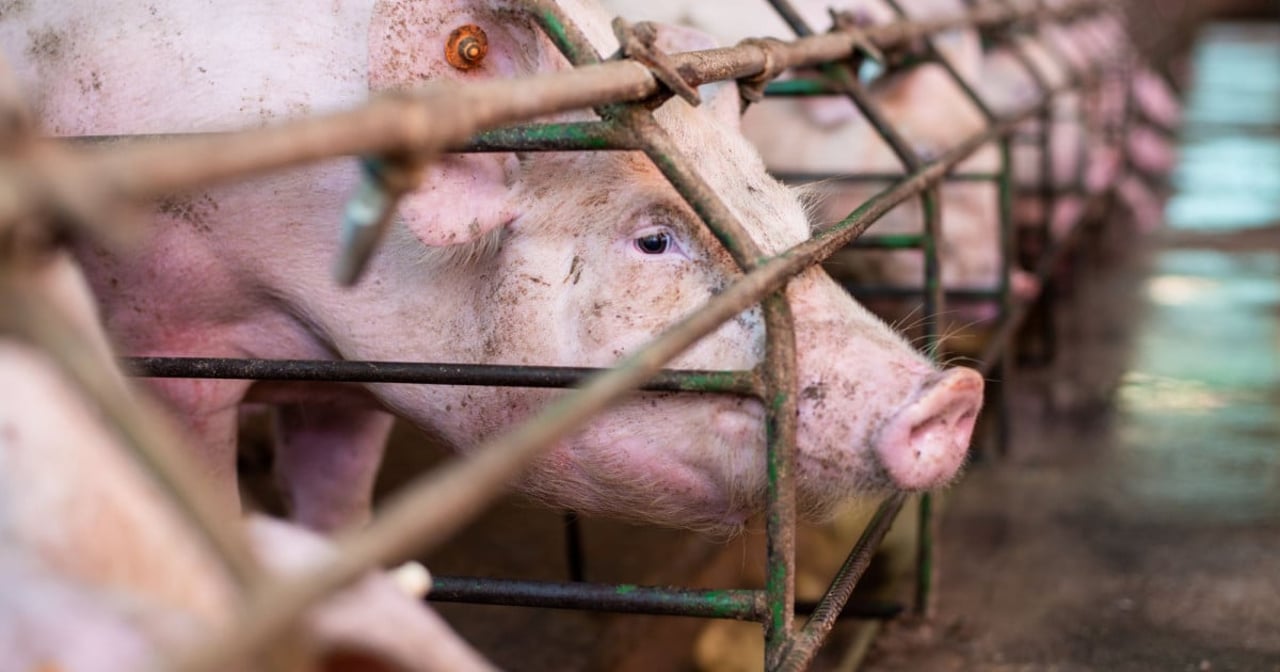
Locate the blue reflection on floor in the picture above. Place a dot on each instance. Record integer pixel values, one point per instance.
(1229, 176)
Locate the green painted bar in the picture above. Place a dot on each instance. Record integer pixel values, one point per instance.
(802, 87)
(891, 241)
(561, 137)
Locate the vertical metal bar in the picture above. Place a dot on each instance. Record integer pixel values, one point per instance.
(780, 432)
(574, 557)
(780, 360)
(932, 306)
(847, 79)
(801, 652)
(792, 17)
(1008, 253)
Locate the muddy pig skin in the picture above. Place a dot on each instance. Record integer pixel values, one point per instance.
(544, 258)
(99, 573)
(829, 135)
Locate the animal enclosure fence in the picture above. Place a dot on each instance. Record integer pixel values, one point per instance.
(76, 185)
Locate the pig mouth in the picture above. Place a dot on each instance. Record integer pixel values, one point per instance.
(924, 444)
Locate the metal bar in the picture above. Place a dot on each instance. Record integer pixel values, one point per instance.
(592, 136)
(933, 305)
(802, 650)
(1006, 367)
(890, 241)
(781, 421)
(737, 604)
(957, 295)
(340, 371)
(437, 117)
(860, 178)
(778, 368)
(741, 604)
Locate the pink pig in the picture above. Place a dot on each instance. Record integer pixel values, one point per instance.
(542, 258)
(99, 573)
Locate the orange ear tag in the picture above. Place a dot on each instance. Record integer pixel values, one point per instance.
(466, 47)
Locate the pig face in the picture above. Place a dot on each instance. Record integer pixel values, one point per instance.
(591, 273)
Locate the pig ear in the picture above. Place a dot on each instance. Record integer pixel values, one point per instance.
(720, 99)
(463, 197)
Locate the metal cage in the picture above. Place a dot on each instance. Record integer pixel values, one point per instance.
(478, 118)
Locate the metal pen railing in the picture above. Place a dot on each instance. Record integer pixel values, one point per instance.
(79, 183)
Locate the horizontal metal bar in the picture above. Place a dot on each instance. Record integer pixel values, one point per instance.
(738, 604)
(901, 241)
(437, 117)
(884, 291)
(733, 382)
(575, 136)
(877, 178)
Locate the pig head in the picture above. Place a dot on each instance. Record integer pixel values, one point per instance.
(539, 258)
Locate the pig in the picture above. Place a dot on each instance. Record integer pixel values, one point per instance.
(540, 258)
(1083, 155)
(829, 135)
(100, 573)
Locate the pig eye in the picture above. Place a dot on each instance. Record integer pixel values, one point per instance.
(657, 242)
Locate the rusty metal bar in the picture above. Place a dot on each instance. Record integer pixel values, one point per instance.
(801, 651)
(435, 118)
(745, 383)
(738, 604)
(875, 178)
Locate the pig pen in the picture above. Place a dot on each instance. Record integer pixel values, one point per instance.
(457, 492)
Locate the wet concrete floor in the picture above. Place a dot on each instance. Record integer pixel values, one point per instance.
(1136, 523)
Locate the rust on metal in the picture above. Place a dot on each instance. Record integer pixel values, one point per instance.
(467, 46)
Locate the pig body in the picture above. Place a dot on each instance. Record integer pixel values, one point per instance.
(99, 573)
(1086, 158)
(544, 258)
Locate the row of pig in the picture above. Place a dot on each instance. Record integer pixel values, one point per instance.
(930, 109)
(537, 258)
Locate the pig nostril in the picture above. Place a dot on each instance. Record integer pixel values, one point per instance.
(923, 446)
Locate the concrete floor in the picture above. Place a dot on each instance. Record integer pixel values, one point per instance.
(1136, 524)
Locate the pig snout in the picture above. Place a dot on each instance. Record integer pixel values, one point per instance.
(875, 414)
(923, 445)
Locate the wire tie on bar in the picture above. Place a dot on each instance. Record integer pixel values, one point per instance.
(637, 42)
(752, 88)
(384, 180)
